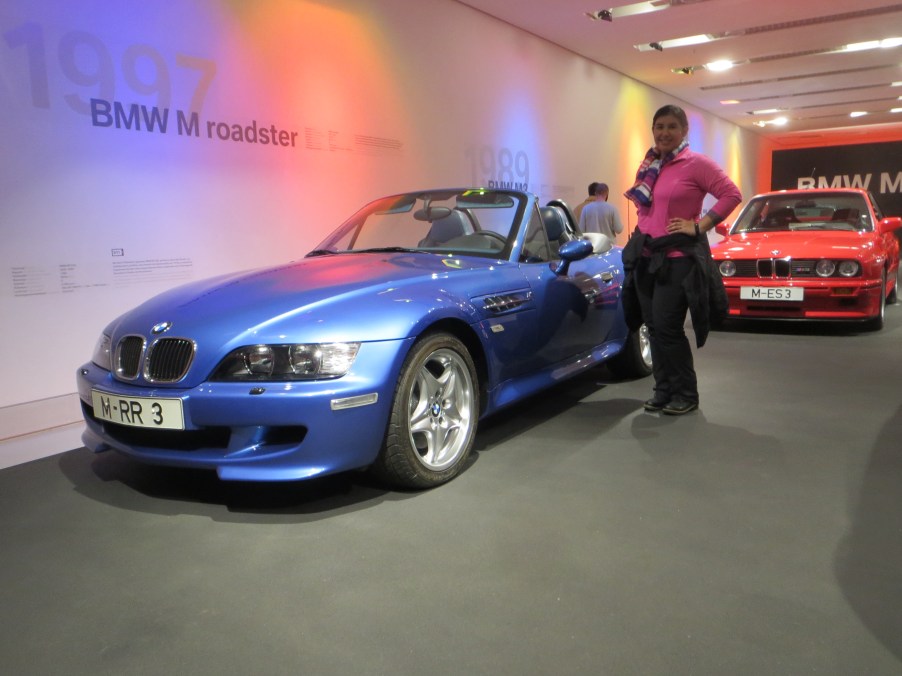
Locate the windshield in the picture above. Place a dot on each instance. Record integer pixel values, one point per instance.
(475, 222)
(794, 211)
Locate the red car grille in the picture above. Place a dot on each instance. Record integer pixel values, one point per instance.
(775, 268)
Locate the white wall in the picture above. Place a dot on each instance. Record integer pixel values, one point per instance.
(379, 96)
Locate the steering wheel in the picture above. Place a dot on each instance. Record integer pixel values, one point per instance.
(491, 234)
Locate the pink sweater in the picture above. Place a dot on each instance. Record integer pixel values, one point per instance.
(680, 189)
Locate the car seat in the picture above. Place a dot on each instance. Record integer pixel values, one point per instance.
(849, 215)
(779, 219)
(555, 229)
(445, 229)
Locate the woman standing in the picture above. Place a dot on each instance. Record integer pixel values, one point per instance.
(668, 260)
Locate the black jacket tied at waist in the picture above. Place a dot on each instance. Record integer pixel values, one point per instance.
(704, 287)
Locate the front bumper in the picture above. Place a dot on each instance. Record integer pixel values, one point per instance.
(289, 431)
(833, 299)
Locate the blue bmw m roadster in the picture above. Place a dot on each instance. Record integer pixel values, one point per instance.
(381, 349)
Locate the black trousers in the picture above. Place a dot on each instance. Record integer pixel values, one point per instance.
(664, 307)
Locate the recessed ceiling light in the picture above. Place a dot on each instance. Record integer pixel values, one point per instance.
(895, 110)
(857, 113)
(729, 102)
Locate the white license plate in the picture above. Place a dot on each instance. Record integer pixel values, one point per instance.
(788, 293)
(161, 414)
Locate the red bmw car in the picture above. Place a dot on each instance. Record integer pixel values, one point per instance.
(825, 254)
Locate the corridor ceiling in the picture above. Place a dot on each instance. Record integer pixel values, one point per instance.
(830, 68)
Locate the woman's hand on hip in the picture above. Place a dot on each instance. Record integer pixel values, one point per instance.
(682, 225)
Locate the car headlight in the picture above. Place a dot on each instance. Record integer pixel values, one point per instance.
(825, 268)
(849, 268)
(101, 355)
(727, 268)
(287, 362)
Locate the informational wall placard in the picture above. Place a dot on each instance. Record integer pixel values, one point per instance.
(871, 166)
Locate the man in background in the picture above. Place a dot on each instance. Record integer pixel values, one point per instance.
(577, 212)
(601, 216)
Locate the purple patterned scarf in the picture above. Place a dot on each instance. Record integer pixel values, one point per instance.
(641, 192)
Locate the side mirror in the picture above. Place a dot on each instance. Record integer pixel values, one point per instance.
(722, 229)
(574, 250)
(889, 224)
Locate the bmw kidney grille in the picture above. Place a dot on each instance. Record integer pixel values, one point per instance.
(166, 360)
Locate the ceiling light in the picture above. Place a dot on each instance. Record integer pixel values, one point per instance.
(895, 110)
(688, 41)
(729, 102)
(852, 47)
(857, 113)
(860, 46)
(752, 30)
(641, 8)
(675, 42)
(766, 111)
(638, 8)
(777, 122)
(896, 84)
(719, 66)
(886, 43)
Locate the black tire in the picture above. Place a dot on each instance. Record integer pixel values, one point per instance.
(893, 296)
(434, 415)
(876, 323)
(634, 360)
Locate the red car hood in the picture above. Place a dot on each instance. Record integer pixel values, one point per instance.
(810, 244)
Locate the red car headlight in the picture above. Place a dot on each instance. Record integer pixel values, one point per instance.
(849, 268)
(825, 268)
(727, 268)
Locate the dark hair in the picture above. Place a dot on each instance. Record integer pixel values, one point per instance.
(674, 111)
(592, 186)
(601, 189)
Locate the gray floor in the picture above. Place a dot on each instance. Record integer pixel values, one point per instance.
(762, 535)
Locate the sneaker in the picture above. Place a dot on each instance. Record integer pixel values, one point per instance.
(679, 407)
(656, 403)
